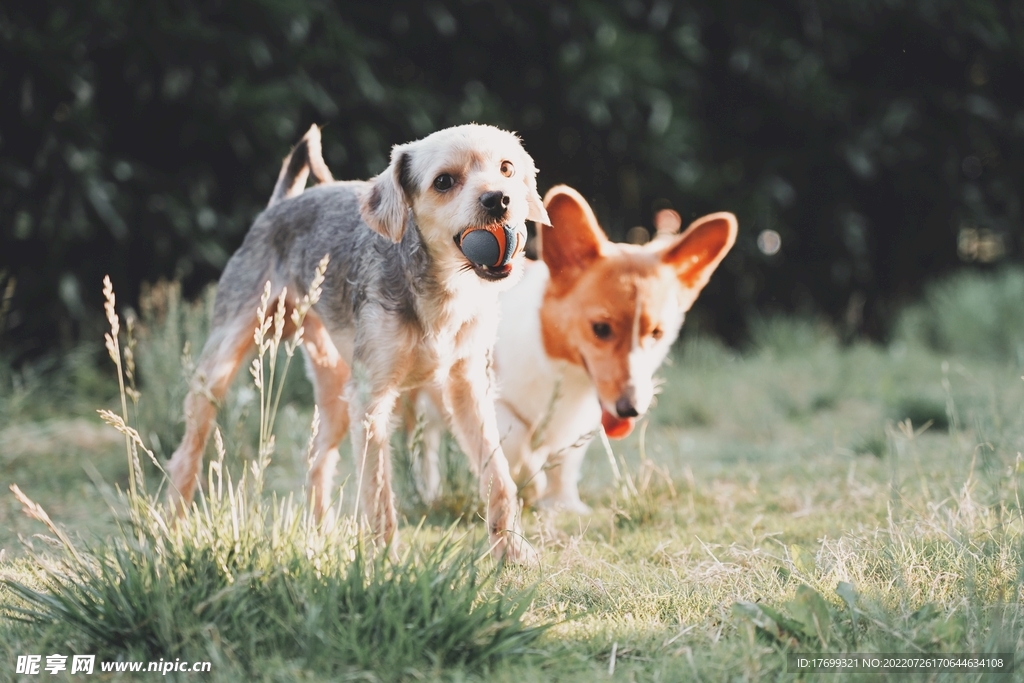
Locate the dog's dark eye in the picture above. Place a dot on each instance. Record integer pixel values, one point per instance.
(507, 169)
(602, 330)
(443, 182)
(656, 333)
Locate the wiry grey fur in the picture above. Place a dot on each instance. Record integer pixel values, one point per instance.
(290, 237)
(400, 307)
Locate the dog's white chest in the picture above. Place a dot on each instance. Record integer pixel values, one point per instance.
(554, 397)
(467, 327)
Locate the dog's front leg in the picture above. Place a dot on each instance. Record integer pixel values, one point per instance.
(373, 400)
(426, 426)
(468, 399)
(563, 475)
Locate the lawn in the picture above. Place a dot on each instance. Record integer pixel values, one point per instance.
(799, 495)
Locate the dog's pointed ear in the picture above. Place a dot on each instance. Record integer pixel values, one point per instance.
(571, 238)
(697, 252)
(385, 206)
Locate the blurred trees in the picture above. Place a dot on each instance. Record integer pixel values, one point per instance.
(872, 136)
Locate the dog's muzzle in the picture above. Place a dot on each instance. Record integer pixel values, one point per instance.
(491, 248)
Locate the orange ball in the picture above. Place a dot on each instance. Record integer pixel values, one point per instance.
(491, 245)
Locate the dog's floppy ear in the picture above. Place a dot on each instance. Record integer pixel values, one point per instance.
(534, 205)
(385, 206)
(697, 252)
(571, 238)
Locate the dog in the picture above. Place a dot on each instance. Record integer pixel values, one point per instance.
(579, 341)
(402, 306)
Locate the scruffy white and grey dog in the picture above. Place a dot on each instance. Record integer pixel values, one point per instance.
(402, 306)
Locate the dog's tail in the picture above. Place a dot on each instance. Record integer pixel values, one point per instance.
(305, 158)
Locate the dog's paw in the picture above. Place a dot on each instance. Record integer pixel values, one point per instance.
(513, 548)
(564, 504)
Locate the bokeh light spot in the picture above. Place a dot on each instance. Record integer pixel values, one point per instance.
(769, 242)
(972, 167)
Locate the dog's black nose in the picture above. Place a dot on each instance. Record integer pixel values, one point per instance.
(625, 408)
(495, 202)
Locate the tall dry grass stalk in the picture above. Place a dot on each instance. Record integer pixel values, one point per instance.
(268, 336)
(113, 344)
(242, 577)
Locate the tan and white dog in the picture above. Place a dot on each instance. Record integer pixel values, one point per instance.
(403, 306)
(579, 341)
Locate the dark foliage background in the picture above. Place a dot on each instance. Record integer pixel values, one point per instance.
(874, 136)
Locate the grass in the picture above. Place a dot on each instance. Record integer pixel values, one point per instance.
(971, 313)
(242, 574)
(801, 496)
